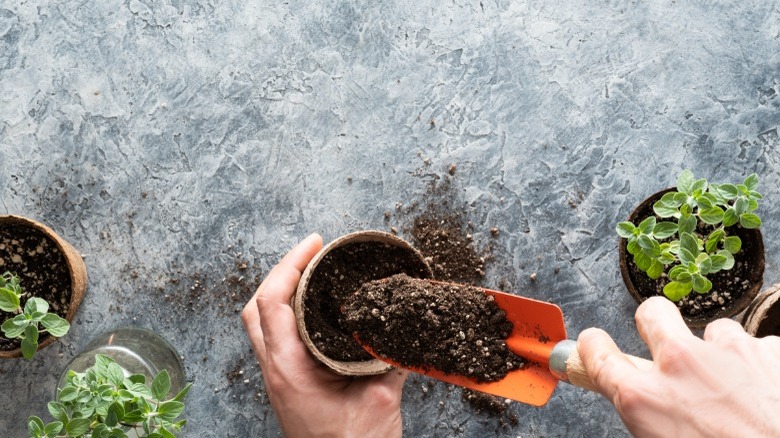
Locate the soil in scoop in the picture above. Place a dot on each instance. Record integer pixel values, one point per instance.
(455, 329)
(41, 268)
(339, 274)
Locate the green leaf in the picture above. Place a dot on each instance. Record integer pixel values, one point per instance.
(56, 326)
(30, 344)
(647, 225)
(650, 247)
(713, 240)
(699, 186)
(115, 374)
(676, 290)
(686, 256)
(705, 201)
(673, 199)
(665, 210)
(730, 217)
(662, 230)
(625, 229)
(160, 385)
(67, 394)
(667, 258)
(52, 429)
(57, 410)
(133, 417)
(12, 330)
(655, 270)
(686, 224)
(732, 244)
(633, 247)
(742, 205)
(183, 393)
(9, 301)
(689, 242)
(35, 305)
(729, 259)
(642, 261)
(77, 427)
(751, 182)
(750, 220)
(701, 284)
(114, 414)
(165, 433)
(35, 426)
(169, 410)
(712, 216)
(685, 182)
(718, 262)
(728, 191)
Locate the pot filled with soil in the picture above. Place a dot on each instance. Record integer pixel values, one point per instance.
(336, 272)
(762, 317)
(697, 244)
(47, 267)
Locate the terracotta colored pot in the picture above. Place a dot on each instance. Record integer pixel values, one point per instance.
(76, 268)
(751, 239)
(349, 368)
(762, 318)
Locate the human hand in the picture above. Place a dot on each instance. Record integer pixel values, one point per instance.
(727, 384)
(309, 399)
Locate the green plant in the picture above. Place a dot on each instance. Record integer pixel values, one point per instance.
(695, 241)
(105, 402)
(25, 325)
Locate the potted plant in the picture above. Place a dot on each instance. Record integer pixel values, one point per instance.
(127, 381)
(697, 244)
(31, 321)
(107, 402)
(46, 276)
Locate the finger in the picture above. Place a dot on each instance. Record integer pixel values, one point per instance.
(250, 317)
(658, 320)
(606, 365)
(277, 318)
(722, 330)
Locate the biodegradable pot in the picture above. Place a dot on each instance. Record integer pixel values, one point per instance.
(75, 267)
(398, 246)
(752, 249)
(762, 318)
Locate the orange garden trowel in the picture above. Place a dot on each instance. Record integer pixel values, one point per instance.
(539, 336)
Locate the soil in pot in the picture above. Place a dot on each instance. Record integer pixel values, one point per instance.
(339, 274)
(727, 286)
(42, 270)
(456, 329)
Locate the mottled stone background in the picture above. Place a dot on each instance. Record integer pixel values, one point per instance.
(172, 141)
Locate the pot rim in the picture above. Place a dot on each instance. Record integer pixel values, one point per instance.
(76, 268)
(757, 312)
(346, 368)
(694, 322)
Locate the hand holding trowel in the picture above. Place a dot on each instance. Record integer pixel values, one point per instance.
(538, 335)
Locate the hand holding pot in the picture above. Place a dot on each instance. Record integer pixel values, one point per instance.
(308, 398)
(727, 384)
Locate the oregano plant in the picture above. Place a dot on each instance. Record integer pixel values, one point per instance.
(672, 241)
(107, 402)
(32, 320)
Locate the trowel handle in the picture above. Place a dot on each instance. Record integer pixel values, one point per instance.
(566, 365)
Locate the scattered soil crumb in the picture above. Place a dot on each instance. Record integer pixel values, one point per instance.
(455, 329)
(236, 374)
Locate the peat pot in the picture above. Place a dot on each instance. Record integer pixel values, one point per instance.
(744, 280)
(762, 318)
(337, 271)
(40, 257)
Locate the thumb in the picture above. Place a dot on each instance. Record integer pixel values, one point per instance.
(606, 365)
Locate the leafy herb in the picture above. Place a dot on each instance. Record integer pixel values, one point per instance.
(673, 241)
(26, 325)
(106, 402)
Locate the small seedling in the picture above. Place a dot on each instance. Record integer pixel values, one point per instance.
(692, 239)
(107, 402)
(26, 325)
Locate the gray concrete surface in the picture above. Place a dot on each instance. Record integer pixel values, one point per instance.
(172, 141)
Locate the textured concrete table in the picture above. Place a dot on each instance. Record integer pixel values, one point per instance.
(184, 146)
